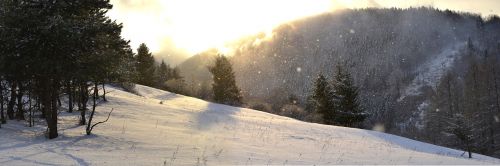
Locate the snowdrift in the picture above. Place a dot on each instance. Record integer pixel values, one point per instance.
(162, 128)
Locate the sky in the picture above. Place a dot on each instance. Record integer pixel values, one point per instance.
(187, 27)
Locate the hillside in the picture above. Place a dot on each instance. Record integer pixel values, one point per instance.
(162, 128)
(396, 56)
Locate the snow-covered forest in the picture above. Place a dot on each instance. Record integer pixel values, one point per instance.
(74, 92)
(401, 59)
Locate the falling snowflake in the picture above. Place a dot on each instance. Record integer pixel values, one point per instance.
(299, 69)
(352, 31)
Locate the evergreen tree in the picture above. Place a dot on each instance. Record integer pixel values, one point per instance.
(175, 73)
(347, 110)
(322, 100)
(463, 127)
(145, 66)
(162, 75)
(45, 45)
(224, 85)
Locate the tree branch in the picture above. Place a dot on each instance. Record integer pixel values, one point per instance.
(102, 121)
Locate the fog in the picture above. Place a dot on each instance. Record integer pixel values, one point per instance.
(178, 29)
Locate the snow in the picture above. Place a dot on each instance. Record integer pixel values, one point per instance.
(430, 73)
(421, 114)
(188, 131)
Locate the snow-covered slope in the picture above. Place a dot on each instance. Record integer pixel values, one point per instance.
(431, 72)
(163, 128)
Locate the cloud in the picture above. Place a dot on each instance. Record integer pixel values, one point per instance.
(170, 53)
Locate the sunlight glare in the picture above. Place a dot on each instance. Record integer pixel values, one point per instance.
(197, 25)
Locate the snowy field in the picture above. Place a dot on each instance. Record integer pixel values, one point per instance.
(162, 128)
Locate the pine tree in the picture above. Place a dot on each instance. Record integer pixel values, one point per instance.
(162, 75)
(322, 100)
(175, 73)
(463, 127)
(145, 66)
(347, 110)
(46, 48)
(224, 85)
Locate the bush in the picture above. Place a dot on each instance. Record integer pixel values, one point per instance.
(293, 111)
(176, 86)
(313, 118)
(265, 107)
(128, 87)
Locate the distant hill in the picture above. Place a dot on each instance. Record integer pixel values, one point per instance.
(196, 68)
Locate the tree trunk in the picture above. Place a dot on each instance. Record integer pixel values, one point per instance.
(83, 99)
(12, 101)
(77, 96)
(59, 101)
(94, 98)
(30, 110)
(104, 92)
(2, 115)
(73, 94)
(83, 120)
(53, 114)
(84, 92)
(20, 105)
(49, 99)
(40, 106)
(69, 92)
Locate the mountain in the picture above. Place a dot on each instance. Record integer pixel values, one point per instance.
(396, 56)
(162, 128)
(195, 69)
(196, 75)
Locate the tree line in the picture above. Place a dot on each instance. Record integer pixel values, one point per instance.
(332, 102)
(157, 75)
(465, 107)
